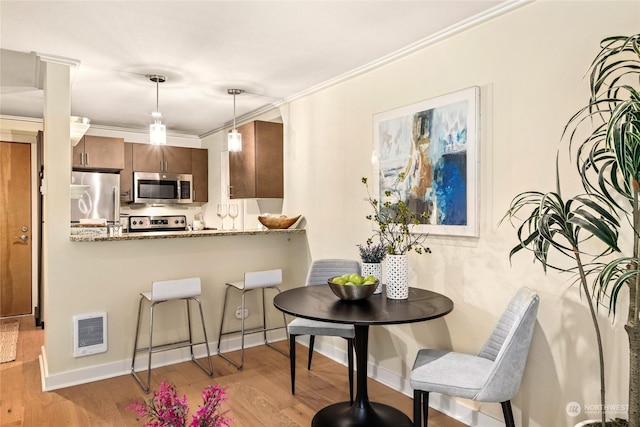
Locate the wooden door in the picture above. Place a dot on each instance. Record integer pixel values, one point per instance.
(200, 170)
(177, 159)
(269, 160)
(103, 153)
(147, 158)
(98, 153)
(15, 229)
(242, 165)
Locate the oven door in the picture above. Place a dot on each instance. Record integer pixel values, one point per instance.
(162, 188)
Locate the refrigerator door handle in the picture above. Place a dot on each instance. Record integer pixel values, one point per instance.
(116, 204)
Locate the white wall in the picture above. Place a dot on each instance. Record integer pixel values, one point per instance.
(529, 65)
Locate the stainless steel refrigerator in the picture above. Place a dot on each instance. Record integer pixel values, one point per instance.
(100, 199)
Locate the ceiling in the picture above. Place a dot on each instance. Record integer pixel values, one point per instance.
(274, 50)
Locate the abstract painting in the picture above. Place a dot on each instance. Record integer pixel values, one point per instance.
(428, 155)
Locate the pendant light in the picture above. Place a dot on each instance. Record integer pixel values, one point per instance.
(234, 139)
(157, 131)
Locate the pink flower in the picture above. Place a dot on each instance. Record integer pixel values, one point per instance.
(166, 409)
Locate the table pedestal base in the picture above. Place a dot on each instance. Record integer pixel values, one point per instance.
(373, 414)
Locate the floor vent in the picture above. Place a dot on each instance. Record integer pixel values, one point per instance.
(89, 334)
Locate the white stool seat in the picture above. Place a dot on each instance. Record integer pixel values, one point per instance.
(182, 289)
(267, 279)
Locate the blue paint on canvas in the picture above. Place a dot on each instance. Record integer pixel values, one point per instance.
(450, 187)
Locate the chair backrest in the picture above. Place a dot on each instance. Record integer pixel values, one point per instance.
(508, 347)
(174, 289)
(262, 279)
(322, 269)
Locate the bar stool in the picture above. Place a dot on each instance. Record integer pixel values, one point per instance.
(169, 290)
(268, 279)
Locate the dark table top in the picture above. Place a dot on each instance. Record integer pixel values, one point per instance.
(320, 303)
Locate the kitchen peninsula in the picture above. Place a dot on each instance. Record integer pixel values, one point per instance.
(182, 234)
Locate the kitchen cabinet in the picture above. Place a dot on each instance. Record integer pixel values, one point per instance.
(98, 153)
(257, 170)
(155, 158)
(200, 171)
(126, 175)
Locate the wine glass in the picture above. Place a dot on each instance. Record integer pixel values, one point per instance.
(233, 213)
(222, 213)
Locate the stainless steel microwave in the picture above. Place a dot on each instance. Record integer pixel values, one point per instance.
(164, 188)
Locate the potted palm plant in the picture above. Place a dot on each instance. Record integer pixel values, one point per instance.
(608, 165)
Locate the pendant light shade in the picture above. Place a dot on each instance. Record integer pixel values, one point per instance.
(234, 139)
(157, 131)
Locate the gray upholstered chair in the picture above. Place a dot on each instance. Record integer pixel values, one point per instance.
(318, 274)
(493, 375)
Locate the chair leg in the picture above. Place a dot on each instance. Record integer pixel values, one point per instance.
(135, 348)
(264, 322)
(224, 309)
(292, 361)
(206, 343)
(312, 340)
(221, 334)
(242, 333)
(508, 414)
(417, 408)
(350, 367)
(425, 407)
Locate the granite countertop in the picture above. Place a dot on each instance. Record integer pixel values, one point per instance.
(181, 234)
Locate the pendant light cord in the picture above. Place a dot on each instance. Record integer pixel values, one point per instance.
(234, 111)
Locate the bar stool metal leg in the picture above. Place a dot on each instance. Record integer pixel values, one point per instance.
(243, 331)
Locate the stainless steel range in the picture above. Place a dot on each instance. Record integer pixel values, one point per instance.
(157, 223)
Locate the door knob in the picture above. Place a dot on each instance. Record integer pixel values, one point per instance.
(24, 238)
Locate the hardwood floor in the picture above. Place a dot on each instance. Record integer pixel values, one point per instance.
(259, 395)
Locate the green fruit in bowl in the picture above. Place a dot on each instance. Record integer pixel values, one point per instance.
(338, 280)
(369, 278)
(346, 277)
(369, 282)
(350, 284)
(356, 279)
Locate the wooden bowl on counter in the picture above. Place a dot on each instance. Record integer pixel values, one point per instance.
(277, 223)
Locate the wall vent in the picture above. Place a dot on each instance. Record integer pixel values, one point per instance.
(89, 334)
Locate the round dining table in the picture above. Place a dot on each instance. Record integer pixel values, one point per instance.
(319, 303)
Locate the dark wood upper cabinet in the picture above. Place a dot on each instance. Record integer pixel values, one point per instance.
(154, 158)
(258, 171)
(200, 171)
(98, 153)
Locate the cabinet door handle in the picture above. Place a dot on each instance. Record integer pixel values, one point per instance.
(166, 166)
(86, 159)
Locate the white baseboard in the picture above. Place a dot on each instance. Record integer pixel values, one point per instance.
(123, 367)
(444, 404)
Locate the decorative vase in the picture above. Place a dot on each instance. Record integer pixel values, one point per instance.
(374, 269)
(397, 276)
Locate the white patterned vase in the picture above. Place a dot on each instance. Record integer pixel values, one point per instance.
(397, 276)
(373, 269)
